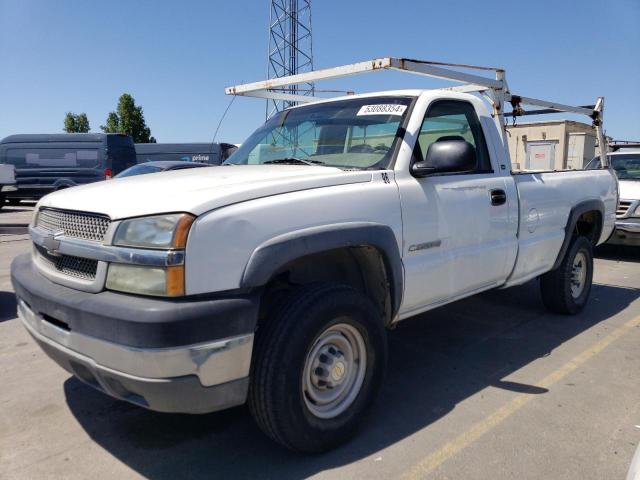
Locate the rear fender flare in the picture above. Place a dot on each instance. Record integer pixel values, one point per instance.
(574, 215)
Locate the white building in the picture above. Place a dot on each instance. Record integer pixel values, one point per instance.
(551, 145)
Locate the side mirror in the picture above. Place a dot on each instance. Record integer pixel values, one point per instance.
(446, 156)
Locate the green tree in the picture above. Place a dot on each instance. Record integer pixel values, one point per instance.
(128, 118)
(82, 123)
(76, 123)
(112, 125)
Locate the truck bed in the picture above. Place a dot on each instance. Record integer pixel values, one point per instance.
(545, 203)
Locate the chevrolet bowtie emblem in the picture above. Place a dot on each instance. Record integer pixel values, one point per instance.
(51, 242)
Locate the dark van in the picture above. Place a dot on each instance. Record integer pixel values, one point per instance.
(48, 162)
(211, 153)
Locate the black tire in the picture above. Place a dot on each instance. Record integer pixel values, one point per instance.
(556, 285)
(276, 397)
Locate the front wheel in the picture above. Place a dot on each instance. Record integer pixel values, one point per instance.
(318, 365)
(566, 289)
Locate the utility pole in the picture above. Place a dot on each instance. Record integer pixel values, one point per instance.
(290, 47)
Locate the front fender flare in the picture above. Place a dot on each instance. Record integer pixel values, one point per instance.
(272, 255)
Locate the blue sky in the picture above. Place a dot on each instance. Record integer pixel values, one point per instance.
(176, 57)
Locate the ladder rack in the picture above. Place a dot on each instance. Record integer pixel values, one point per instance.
(495, 88)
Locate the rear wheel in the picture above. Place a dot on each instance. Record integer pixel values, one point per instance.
(318, 365)
(566, 289)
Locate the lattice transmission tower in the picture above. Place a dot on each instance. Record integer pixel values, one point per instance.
(290, 47)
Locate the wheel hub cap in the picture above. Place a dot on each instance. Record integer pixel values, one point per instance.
(578, 275)
(338, 371)
(334, 371)
(328, 368)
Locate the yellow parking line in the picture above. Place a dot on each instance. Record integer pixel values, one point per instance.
(433, 461)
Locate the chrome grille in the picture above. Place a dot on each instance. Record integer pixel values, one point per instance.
(82, 268)
(623, 208)
(85, 226)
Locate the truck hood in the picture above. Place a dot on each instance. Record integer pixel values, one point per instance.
(196, 190)
(629, 189)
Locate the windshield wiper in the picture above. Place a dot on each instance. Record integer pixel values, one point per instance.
(293, 161)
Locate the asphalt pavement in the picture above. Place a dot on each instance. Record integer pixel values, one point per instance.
(491, 387)
(14, 220)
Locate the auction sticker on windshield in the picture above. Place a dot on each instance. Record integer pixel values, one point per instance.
(382, 109)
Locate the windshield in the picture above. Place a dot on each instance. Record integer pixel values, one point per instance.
(356, 133)
(627, 167)
(138, 170)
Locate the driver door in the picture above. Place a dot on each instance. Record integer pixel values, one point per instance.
(459, 237)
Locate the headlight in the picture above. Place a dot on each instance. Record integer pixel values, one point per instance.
(636, 213)
(160, 231)
(157, 281)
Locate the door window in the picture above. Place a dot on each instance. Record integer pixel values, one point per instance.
(454, 120)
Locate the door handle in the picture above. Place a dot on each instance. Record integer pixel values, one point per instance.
(498, 197)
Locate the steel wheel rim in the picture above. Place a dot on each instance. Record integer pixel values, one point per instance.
(334, 371)
(578, 274)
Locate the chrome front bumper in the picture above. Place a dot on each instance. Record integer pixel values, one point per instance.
(196, 378)
(627, 232)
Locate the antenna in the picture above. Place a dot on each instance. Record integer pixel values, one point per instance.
(290, 48)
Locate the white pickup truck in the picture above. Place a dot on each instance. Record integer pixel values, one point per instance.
(625, 161)
(273, 280)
